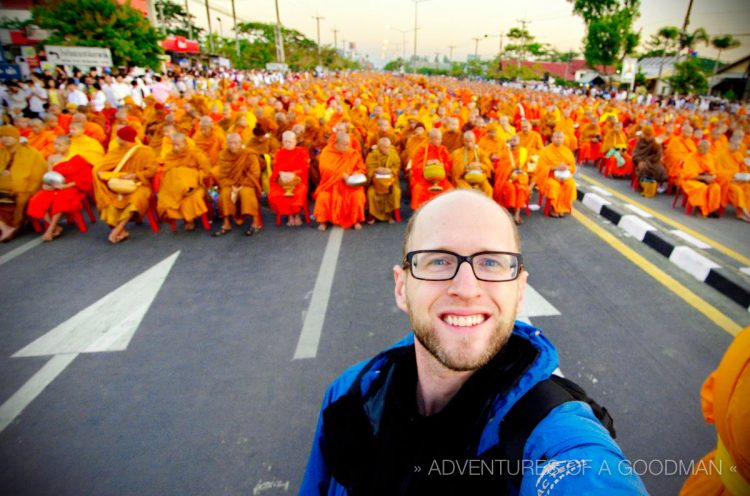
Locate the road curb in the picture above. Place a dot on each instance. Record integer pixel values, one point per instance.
(668, 245)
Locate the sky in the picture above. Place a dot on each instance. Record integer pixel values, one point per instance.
(379, 27)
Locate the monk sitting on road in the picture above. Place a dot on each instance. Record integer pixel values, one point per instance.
(54, 200)
(85, 146)
(209, 139)
(129, 161)
(288, 185)
(617, 160)
(699, 180)
(647, 157)
(554, 175)
(433, 160)
(471, 167)
(729, 163)
(21, 171)
(337, 202)
(384, 192)
(182, 191)
(239, 182)
(512, 179)
(42, 138)
(589, 141)
(530, 139)
(676, 153)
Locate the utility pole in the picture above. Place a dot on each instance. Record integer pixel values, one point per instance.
(162, 26)
(476, 47)
(152, 13)
(188, 24)
(414, 60)
(335, 39)
(279, 37)
(523, 22)
(317, 21)
(236, 31)
(210, 31)
(450, 48)
(437, 60)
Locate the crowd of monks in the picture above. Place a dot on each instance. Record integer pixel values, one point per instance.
(346, 145)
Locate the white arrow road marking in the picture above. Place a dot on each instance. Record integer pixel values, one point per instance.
(535, 305)
(307, 346)
(107, 325)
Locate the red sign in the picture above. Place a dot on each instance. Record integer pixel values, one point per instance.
(180, 44)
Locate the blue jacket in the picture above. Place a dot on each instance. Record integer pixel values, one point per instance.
(580, 457)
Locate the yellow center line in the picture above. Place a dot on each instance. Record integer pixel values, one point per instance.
(720, 247)
(711, 312)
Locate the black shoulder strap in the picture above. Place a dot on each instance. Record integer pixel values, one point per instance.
(532, 408)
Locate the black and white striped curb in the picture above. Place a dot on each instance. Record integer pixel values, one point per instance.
(669, 245)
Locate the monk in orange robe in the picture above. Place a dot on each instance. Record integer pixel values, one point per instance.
(470, 159)
(512, 179)
(53, 201)
(617, 160)
(452, 137)
(21, 171)
(291, 167)
(679, 149)
(182, 191)
(416, 141)
(589, 140)
(91, 129)
(560, 191)
(87, 147)
(433, 154)
(719, 141)
(492, 144)
(42, 138)
(383, 200)
(730, 162)
(136, 162)
(568, 126)
(335, 201)
(209, 139)
(239, 182)
(530, 139)
(699, 180)
(726, 469)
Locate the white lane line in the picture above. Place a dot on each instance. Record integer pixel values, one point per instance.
(639, 211)
(33, 387)
(690, 239)
(601, 191)
(20, 250)
(745, 270)
(307, 346)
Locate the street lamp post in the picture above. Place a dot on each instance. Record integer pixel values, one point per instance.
(403, 39)
(221, 27)
(414, 59)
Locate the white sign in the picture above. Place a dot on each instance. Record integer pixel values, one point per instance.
(79, 56)
(629, 69)
(274, 67)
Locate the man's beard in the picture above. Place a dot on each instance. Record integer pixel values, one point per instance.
(458, 360)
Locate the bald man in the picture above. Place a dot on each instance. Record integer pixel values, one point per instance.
(436, 156)
(383, 166)
(239, 186)
(336, 202)
(443, 392)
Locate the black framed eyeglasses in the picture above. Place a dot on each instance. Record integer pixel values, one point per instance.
(443, 265)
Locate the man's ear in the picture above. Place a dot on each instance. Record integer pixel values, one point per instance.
(521, 290)
(399, 289)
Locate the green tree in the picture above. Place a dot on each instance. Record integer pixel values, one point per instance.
(177, 20)
(665, 43)
(721, 43)
(301, 53)
(689, 77)
(609, 29)
(688, 41)
(101, 23)
(395, 65)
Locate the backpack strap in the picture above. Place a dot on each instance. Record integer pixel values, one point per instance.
(532, 408)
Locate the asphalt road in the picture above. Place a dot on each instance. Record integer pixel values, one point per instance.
(206, 399)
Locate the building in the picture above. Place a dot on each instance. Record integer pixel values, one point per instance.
(734, 78)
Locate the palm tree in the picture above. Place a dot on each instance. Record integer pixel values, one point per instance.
(721, 43)
(689, 40)
(665, 41)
